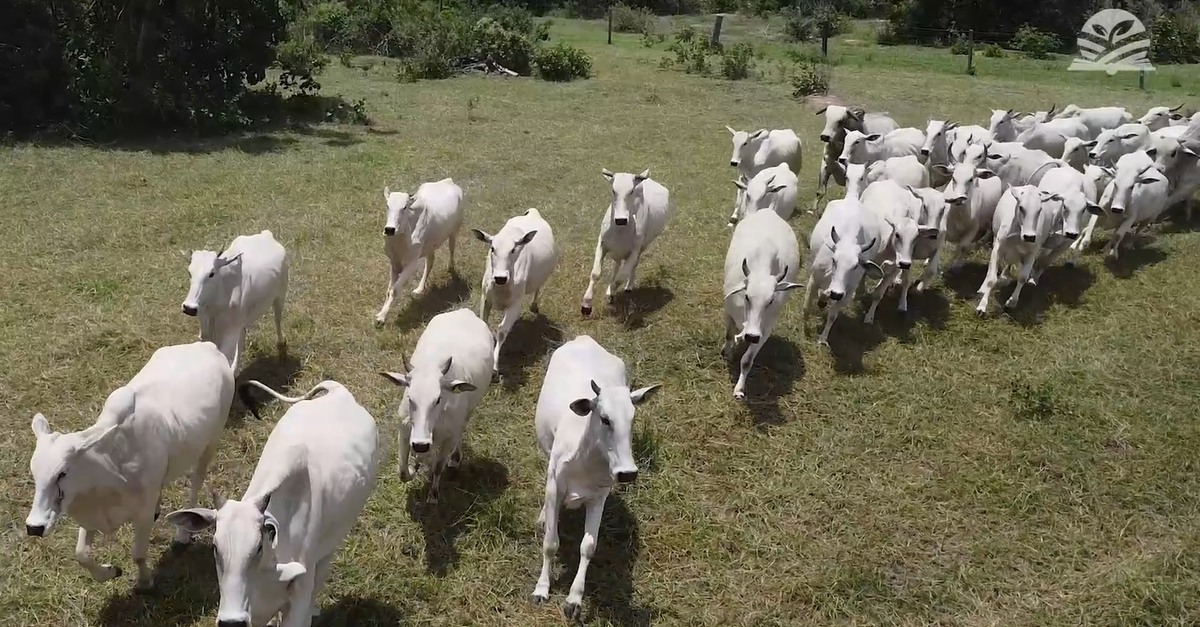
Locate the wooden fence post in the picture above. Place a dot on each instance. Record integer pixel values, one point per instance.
(824, 41)
(1142, 80)
(971, 52)
(714, 41)
(610, 24)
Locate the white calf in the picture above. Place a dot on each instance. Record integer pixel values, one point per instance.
(233, 288)
(161, 425)
(521, 257)
(417, 225)
(1024, 220)
(841, 250)
(762, 149)
(637, 215)
(275, 546)
(773, 189)
(862, 148)
(584, 426)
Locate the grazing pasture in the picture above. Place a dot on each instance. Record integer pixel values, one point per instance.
(1032, 468)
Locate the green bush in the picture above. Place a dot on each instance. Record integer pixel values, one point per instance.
(889, 35)
(98, 66)
(993, 51)
(512, 49)
(562, 63)
(627, 19)
(960, 46)
(1174, 39)
(651, 40)
(798, 27)
(329, 23)
(720, 6)
(300, 59)
(1035, 43)
(691, 51)
(737, 62)
(812, 78)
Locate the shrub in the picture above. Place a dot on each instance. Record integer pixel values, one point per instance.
(562, 63)
(798, 27)
(829, 20)
(651, 40)
(812, 78)
(300, 59)
(691, 51)
(329, 23)
(512, 49)
(737, 62)
(1035, 43)
(720, 6)
(1174, 39)
(627, 19)
(993, 51)
(960, 46)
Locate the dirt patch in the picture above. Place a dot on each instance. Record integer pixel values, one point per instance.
(820, 101)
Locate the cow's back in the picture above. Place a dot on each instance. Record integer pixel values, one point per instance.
(656, 202)
(539, 256)
(571, 369)
(441, 214)
(467, 340)
(182, 398)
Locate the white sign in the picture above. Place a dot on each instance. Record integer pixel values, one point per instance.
(1112, 41)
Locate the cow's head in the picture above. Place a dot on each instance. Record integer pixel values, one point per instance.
(626, 195)
(213, 277)
(963, 178)
(1135, 174)
(67, 464)
(849, 262)
(936, 139)
(401, 212)
(610, 427)
(427, 391)
(1075, 152)
(757, 195)
(1162, 117)
(859, 147)
(759, 291)
(839, 119)
(504, 248)
(254, 585)
(746, 144)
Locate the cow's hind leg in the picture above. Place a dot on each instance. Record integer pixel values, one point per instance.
(143, 525)
(195, 483)
(422, 284)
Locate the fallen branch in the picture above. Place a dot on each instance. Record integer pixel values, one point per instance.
(488, 66)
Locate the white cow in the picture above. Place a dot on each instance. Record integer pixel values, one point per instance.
(839, 120)
(907, 170)
(417, 225)
(773, 189)
(1025, 219)
(584, 426)
(1077, 195)
(862, 148)
(1012, 162)
(275, 546)
(1180, 162)
(900, 212)
(638, 214)
(762, 149)
(1051, 137)
(841, 250)
(1096, 119)
(1137, 197)
(521, 257)
(161, 425)
(971, 198)
(1162, 117)
(1114, 143)
(1075, 152)
(450, 373)
(941, 136)
(1005, 126)
(233, 288)
(762, 260)
(964, 136)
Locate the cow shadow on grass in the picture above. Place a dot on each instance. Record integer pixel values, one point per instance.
(965, 280)
(185, 593)
(353, 611)
(633, 308)
(276, 371)
(1131, 260)
(608, 595)
(479, 482)
(527, 343)
(851, 339)
(777, 368)
(929, 306)
(440, 297)
(1059, 285)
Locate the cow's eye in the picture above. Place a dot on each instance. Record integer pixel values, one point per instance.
(212, 274)
(605, 421)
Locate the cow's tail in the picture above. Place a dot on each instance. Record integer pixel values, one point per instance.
(252, 405)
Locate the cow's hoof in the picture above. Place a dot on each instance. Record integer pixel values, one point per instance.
(868, 319)
(586, 310)
(822, 342)
(539, 598)
(980, 313)
(739, 395)
(572, 611)
(178, 547)
(380, 319)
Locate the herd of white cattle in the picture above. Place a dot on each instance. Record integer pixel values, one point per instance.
(1038, 185)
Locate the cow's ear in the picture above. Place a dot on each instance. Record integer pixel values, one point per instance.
(874, 137)
(41, 426)
(1094, 209)
(641, 394)
(459, 386)
(289, 571)
(942, 169)
(528, 237)
(397, 378)
(582, 407)
(1152, 152)
(193, 520)
(482, 236)
(872, 270)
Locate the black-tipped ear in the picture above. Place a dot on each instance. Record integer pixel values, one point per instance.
(482, 236)
(193, 520)
(262, 502)
(271, 529)
(745, 268)
(527, 238)
(582, 407)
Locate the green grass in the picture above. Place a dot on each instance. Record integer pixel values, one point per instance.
(1034, 469)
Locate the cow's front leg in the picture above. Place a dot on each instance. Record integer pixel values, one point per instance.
(421, 285)
(401, 279)
(585, 307)
(511, 314)
(83, 555)
(541, 592)
(572, 609)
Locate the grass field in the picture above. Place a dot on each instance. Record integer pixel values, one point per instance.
(1034, 469)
